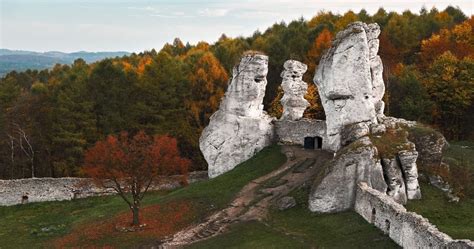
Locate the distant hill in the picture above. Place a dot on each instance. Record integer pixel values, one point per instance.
(21, 60)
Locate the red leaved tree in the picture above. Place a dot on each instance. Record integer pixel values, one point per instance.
(131, 164)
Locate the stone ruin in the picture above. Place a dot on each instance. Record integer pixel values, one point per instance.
(351, 88)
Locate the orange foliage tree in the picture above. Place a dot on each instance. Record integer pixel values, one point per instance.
(131, 164)
(458, 40)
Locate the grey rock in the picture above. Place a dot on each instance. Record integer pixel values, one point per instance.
(349, 80)
(352, 132)
(240, 128)
(294, 89)
(408, 162)
(377, 129)
(293, 132)
(396, 183)
(430, 145)
(335, 190)
(285, 203)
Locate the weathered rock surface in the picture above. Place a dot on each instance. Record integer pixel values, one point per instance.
(294, 89)
(430, 145)
(240, 128)
(352, 132)
(294, 132)
(285, 203)
(377, 129)
(396, 184)
(335, 190)
(408, 162)
(349, 80)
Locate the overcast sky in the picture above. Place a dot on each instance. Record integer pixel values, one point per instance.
(137, 25)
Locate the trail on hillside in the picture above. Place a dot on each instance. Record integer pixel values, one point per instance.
(255, 198)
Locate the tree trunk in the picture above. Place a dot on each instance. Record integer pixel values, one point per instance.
(136, 218)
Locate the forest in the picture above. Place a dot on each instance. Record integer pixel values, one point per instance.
(49, 118)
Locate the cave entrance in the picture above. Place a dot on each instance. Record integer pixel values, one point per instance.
(319, 142)
(312, 143)
(309, 143)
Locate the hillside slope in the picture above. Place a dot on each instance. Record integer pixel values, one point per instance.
(20, 60)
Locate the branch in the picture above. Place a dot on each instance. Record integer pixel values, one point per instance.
(146, 189)
(120, 192)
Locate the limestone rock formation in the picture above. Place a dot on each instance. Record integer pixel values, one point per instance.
(294, 89)
(396, 184)
(349, 80)
(408, 162)
(240, 128)
(351, 87)
(334, 191)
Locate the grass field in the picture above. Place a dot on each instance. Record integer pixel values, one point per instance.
(455, 219)
(91, 222)
(300, 228)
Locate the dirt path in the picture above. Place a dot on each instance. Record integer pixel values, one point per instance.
(255, 198)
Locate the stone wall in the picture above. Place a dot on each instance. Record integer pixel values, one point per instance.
(294, 131)
(407, 229)
(20, 191)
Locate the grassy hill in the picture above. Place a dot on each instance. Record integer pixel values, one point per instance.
(92, 222)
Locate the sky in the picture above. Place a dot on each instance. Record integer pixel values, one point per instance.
(138, 25)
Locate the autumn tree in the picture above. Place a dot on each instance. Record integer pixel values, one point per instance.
(132, 164)
(459, 41)
(450, 83)
(207, 81)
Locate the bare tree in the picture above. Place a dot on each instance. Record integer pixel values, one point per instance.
(25, 145)
(11, 144)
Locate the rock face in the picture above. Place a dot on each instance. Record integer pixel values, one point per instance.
(335, 190)
(295, 88)
(294, 132)
(408, 162)
(285, 203)
(240, 128)
(396, 184)
(349, 80)
(430, 145)
(351, 87)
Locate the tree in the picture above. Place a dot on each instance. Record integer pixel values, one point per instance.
(132, 164)
(408, 98)
(459, 41)
(450, 83)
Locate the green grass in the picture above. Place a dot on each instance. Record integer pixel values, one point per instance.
(300, 228)
(462, 152)
(454, 219)
(33, 225)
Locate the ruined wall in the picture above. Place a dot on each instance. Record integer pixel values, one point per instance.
(19, 191)
(407, 229)
(294, 132)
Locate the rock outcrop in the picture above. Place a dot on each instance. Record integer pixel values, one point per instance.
(334, 191)
(349, 80)
(369, 146)
(240, 128)
(394, 178)
(294, 89)
(408, 162)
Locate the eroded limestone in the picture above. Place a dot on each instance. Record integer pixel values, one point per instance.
(240, 128)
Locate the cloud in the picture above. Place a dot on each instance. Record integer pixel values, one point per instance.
(146, 8)
(208, 12)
